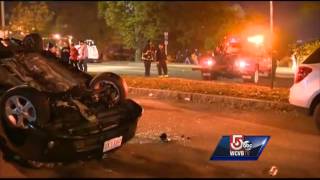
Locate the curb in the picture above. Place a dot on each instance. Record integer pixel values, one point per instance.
(223, 101)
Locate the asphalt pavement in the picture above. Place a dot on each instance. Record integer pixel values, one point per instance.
(194, 132)
(284, 76)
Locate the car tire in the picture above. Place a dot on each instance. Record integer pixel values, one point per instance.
(15, 104)
(33, 43)
(316, 115)
(113, 81)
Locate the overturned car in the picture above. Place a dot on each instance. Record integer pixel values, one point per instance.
(52, 112)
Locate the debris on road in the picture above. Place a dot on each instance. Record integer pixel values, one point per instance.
(150, 94)
(164, 138)
(185, 137)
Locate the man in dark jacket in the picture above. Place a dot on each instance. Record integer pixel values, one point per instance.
(65, 54)
(161, 59)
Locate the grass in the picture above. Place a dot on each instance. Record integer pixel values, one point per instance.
(209, 87)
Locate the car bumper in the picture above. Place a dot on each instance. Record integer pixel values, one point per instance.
(46, 147)
(297, 98)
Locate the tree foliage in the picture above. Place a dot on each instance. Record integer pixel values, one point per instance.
(29, 18)
(134, 21)
(190, 24)
(201, 24)
(71, 21)
(304, 50)
(310, 7)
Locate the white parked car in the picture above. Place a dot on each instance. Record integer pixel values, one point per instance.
(305, 91)
(93, 54)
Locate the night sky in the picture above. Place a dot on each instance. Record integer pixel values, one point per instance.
(287, 15)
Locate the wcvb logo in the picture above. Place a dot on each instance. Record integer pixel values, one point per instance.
(239, 146)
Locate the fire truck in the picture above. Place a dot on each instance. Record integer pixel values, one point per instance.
(239, 57)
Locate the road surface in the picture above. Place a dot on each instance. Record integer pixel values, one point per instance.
(195, 131)
(284, 75)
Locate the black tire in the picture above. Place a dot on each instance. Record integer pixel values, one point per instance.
(114, 81)
(40, 113)
(32, 43)
(316, 115)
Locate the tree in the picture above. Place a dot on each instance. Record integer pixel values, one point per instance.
(305, 49)
(135, 22)
(308, 8)
(201, 24)
(27, 18)
(190, 24)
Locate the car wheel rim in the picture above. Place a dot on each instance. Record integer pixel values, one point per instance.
(20, 111)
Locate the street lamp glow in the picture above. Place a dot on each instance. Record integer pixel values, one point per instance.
(258, 39)
(57, 36)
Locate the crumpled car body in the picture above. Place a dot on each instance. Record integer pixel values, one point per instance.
(52, 112)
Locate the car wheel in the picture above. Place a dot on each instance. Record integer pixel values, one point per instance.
(33, 43)
(23, 108)
(109, 86)
(316, 115)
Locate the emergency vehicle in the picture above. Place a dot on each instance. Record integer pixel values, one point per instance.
(240, 57)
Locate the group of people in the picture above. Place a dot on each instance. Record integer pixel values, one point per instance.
(155, 54)
(188, 57)
(69, 54)
(192, 57)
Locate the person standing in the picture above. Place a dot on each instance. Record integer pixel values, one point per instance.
(74, 56)
(187, 56)
(161, 59)
(294, 61)
(148, 56)
(83, 57)
(65, 54)
(51, 52)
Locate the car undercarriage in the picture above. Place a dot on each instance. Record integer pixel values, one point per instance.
(53, 112)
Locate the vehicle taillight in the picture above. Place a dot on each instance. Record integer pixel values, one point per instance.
(302, 73)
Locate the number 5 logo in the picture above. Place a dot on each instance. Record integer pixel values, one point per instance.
(236, 142)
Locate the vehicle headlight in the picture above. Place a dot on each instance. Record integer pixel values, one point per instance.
(210, 62)
(241, 64)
